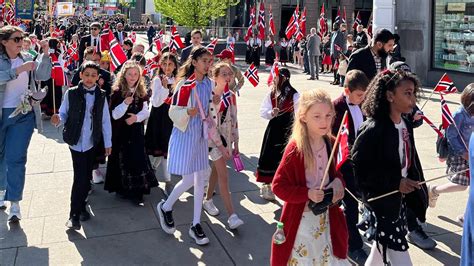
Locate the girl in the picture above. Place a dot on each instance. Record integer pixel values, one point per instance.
(389, 165)
(188, 146)
(256, 47)
(310, 239)
(269, 51)
(327, 63)
(47, 105)
(458, 153)
(129, 171)
(278, 107)
(283, 51)
(226, 120)
(342, 69)
(159, 126)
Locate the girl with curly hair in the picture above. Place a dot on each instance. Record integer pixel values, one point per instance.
(129, 172)
(389, 165)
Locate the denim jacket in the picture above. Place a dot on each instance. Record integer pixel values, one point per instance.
(465, 123)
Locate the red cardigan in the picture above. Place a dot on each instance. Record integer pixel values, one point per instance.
(289, 185)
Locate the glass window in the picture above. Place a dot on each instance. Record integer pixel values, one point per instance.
(454, 35)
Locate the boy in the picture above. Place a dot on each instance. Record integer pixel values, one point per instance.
(355, 85)
(86, 118)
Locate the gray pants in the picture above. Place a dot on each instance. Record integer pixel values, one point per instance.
(314, 63)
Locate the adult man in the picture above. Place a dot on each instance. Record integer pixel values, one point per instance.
(120, 35)
(338, 45)
(196, 38)
(90, 40)
(150, 33)
(361, 39)
(372, 59)
(314, 42)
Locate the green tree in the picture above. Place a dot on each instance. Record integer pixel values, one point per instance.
(194, 13)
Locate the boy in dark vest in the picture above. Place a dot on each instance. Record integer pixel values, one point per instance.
(85, 115)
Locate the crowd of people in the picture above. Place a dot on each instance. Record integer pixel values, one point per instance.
(180, 120)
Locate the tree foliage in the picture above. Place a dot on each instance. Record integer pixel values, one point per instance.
(195, 13)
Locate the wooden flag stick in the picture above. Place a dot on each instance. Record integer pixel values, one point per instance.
(429, 97)
(338, 137)
(422, 182)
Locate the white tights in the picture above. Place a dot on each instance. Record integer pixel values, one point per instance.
(160, 165)
(394, 257)
(196, 179)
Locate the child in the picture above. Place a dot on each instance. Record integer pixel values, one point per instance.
(458, 153)
(85, 115)
(385, 160)
(467, 247)
(310, 239)
(342, 69)
(278, 106)
(129, 171)
(159, 126)
(354, 92)
(283, 51)
(188, 146)
(327, 62)
(226, 120)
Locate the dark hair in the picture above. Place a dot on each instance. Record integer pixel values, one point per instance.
(128, 42)
(283, 72)
(356, 80)
(335, 26)
(139, 58)
(383, 36)
(187, 69)
(5, 33)
(172, 58)
(376, 104)
(467, 98)
(90, 64)
(196, 31)
(54, 44)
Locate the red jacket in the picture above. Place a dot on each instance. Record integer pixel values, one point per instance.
(289, 185)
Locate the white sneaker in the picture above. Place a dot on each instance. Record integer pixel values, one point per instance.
(14, 212)
(432, 196)
(97, 177)
(234, 221)
(2, 200)
(210, 208)
(266, 192)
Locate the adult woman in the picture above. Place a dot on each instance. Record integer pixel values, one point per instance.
(18, 119)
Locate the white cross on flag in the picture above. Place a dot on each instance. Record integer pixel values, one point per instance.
(117, 55)
(252, 75)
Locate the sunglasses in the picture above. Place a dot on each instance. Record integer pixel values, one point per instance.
(16, 39)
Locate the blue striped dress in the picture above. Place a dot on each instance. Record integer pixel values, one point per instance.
(188, 151)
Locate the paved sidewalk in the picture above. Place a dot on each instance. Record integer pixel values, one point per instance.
(121, 233)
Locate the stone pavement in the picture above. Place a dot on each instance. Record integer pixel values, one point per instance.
(121, 233)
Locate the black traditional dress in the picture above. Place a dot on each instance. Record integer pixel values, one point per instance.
(129, 171)
(269, 53)
(276, 135)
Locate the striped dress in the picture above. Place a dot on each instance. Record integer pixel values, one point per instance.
(188, 150)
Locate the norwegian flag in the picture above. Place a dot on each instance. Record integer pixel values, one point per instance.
(133, 36)
(104, 39)
(338, 16)
(10, 14)
(252, 75)
(57, 73)
(344, 15)
(231, 47)
(432, 126)
(446, 116)
(338, 48)
(343, 149)
(273, 73)
(117, 55)
(302, 24)
(158, 40)
(369, 26)
(149, 67)
(72, 52)
(181, 97)
(292, 24)
(211, 46)
(323, 26)
(57, 33)
(176, 42)
(445, 85)
(225, 98)
(357, 21)
(271, 22)
(261, 21)
(252, 22)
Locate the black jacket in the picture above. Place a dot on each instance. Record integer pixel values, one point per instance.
(377, 169)
(85, 42)
(363, 60)
(76, 112)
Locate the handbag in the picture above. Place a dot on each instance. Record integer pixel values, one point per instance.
(238, 164)
(320, 207)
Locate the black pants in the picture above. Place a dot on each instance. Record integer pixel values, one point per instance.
(82, 163)
(412, 222)
(351, 209)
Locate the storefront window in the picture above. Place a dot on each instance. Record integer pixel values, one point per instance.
(454, 35)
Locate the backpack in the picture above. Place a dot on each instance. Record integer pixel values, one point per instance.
(442, 145)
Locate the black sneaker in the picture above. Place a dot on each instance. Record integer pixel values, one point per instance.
(198, 235)
(358, 256)
(166, 219)
(419, 238)
(85, 215)
(73, 223)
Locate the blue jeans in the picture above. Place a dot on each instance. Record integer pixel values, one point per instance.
(15, 136)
